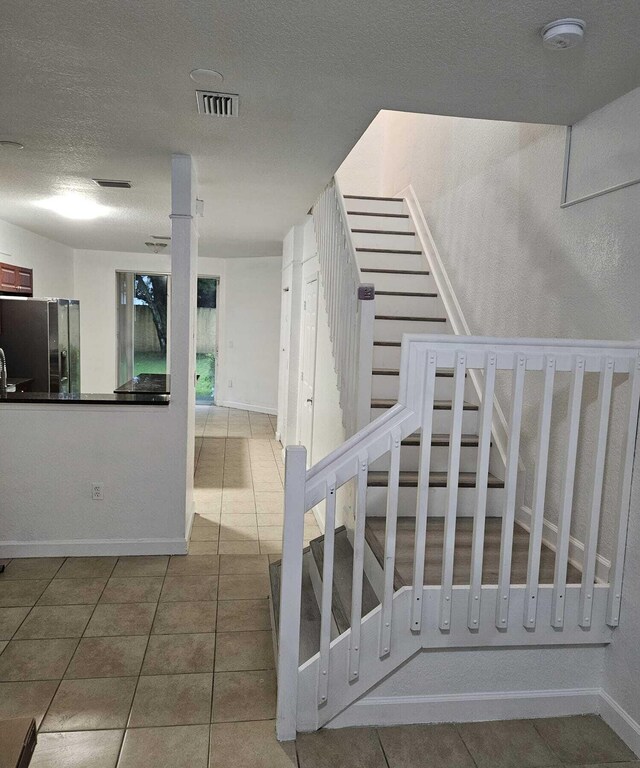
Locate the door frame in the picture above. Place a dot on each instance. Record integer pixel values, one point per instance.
(118, 329)
(313, 343)
(218, 346)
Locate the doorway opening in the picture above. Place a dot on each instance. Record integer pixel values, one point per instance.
(206, 339)
(144, 328)
(143, 324)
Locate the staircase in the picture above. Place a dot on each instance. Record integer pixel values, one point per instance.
(436, 554)
(407, 301)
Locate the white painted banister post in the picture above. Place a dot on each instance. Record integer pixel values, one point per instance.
(624, 498)
(366, 319)
(290, 591)
(182, 354)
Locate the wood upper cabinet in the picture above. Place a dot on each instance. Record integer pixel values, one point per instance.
(14, 279)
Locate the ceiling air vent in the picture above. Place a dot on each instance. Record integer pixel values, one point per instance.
(113, 183)
(217, 104)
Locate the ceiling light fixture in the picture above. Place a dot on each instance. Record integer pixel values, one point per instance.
(4, 144)
(156, 247)
(113, 183)
(562, 34)
(74, 206)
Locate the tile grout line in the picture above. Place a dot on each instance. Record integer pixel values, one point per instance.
(144, 655)
(44, 717)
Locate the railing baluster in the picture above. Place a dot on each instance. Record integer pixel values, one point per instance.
(482, 482)
(624, 496)
(539, 494)
(327, 590)
(510, 488)
(564, 521)
(453, 481)
(393, 486)
(591, 540)
(358, 566)
(422, 504)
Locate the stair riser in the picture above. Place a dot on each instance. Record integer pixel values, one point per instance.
(380, 222)
(385, 240)
(387, 387)
(393, 330)
(397, 282)
(407, 498)
(410, 458)
(316, 582)
(442, 421)
(422, 306)
(391, 260)
(375, 206)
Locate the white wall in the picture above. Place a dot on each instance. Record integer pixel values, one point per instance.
(55, 454)
(251, 299)
(362, 172)
(52, 262)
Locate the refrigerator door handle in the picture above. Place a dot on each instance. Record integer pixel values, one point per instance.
(65, 366)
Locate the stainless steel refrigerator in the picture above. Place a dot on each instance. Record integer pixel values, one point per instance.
(41, 341)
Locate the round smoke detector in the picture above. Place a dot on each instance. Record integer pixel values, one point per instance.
(208, 78)
(563, 33)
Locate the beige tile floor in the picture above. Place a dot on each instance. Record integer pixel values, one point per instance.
(239, 491)
(167, 662)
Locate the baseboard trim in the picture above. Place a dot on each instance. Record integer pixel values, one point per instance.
(468, 707)
(617, 718)
(248, 407)
(93, 547)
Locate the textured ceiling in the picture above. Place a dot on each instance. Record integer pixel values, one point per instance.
(101, 88)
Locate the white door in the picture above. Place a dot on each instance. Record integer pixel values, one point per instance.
(307, 379)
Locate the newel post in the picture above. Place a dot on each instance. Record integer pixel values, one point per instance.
(290, 591)
(366, 318)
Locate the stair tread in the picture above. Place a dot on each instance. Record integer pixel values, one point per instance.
(410, 319)
(446, 373)
(396, 271)
(382, 215)
(387, 250)
(466, 441)
(342, 579)
(405, 538)
(358, 231)
(369, 197)
(407, 293)
(380, 479)
(309, 611)
(438, 405)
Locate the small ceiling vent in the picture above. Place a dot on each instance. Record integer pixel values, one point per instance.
(113, 183)
(217, 104)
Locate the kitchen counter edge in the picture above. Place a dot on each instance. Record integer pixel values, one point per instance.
(45, 398)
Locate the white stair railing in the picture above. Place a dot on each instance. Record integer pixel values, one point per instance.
(350, 307)
(475, 614)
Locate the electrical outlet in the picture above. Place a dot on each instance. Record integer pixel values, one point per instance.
(97, 491)
(230, 384)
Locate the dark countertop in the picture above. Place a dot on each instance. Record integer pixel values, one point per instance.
(85, 399)
(146, 383)
(18, 381)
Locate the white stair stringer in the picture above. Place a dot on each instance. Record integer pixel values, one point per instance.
(373, 668)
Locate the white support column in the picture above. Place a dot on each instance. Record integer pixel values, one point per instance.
(184, 275)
